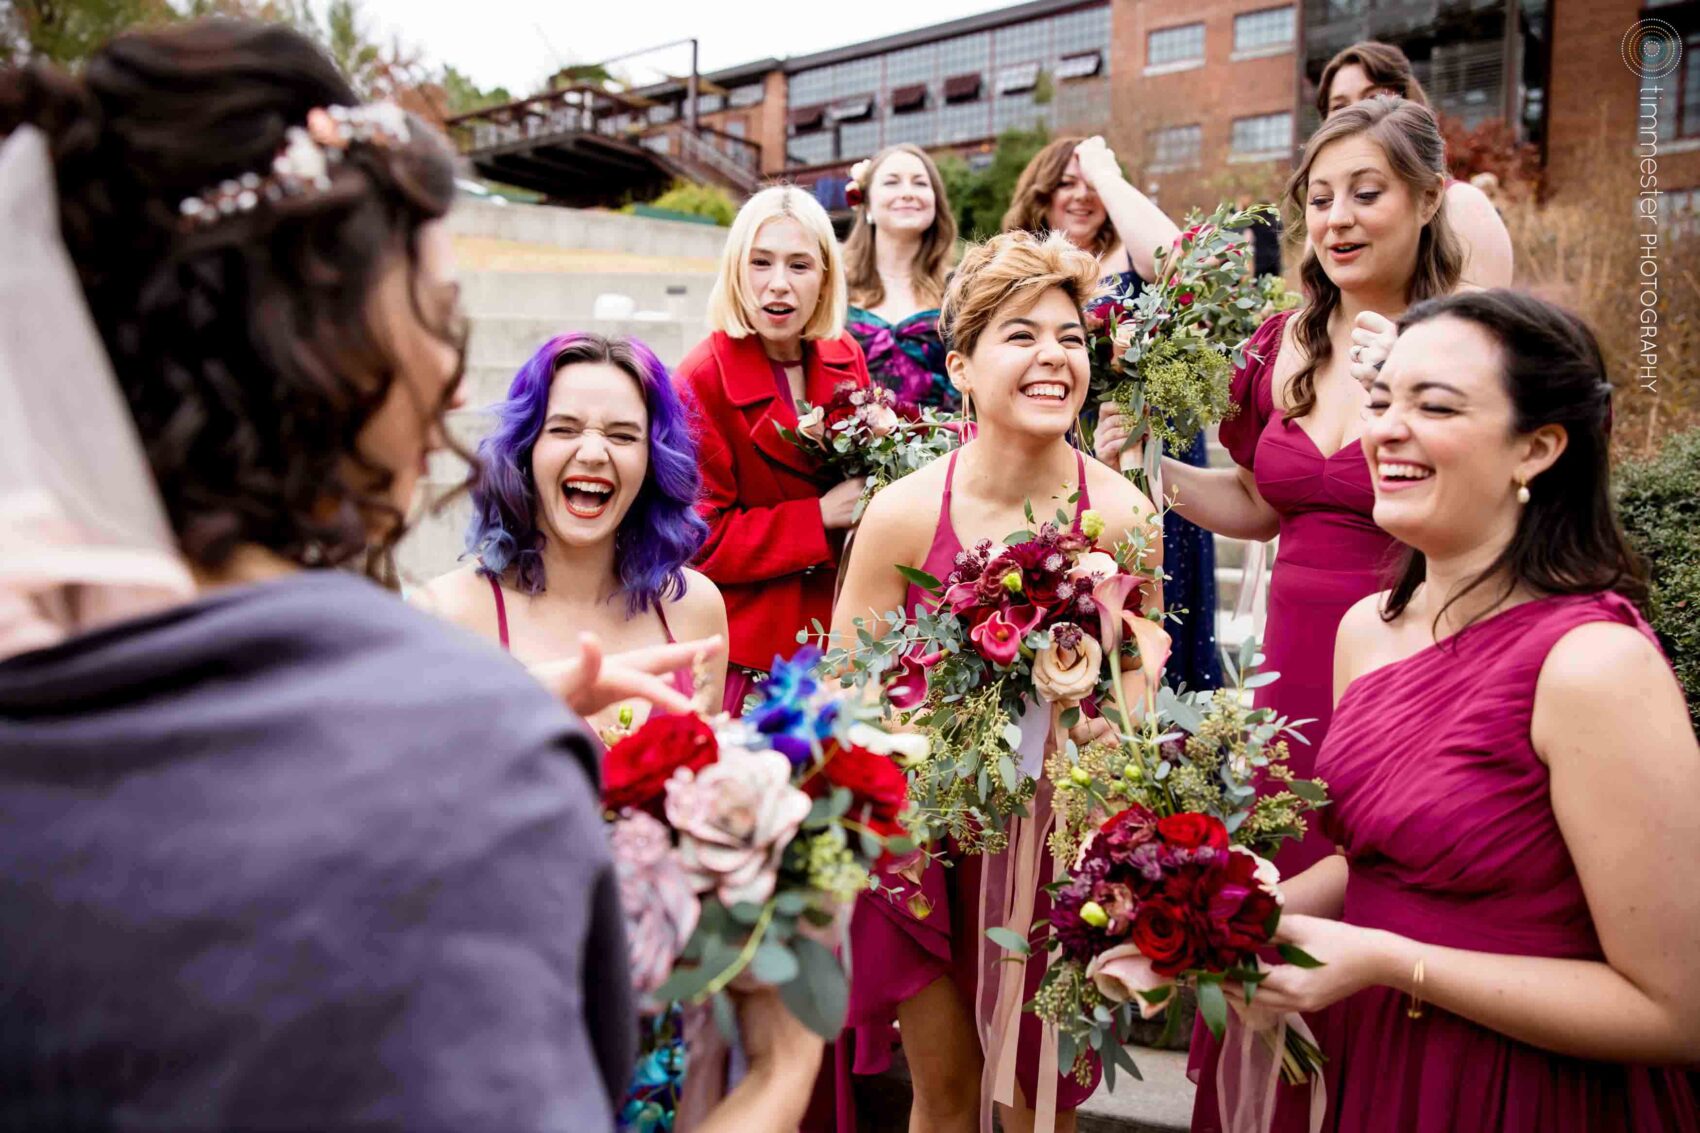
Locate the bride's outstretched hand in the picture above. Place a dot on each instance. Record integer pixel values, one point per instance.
(592, 681)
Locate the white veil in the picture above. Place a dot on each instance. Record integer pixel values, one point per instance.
(83, 533)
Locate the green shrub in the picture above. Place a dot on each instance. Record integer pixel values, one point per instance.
(1659, 500)
(707, 201)
(980, 197)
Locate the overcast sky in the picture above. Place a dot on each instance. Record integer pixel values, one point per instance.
(518, 43)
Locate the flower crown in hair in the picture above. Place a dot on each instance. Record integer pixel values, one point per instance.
(303, 164)
(853, 191)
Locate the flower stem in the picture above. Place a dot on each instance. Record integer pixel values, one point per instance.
(742, 960)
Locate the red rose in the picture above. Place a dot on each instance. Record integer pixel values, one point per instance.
(878, 785)
(1161, 933)
(635, 770)
(1190, 831)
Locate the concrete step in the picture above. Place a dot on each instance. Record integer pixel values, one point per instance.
(570, 297)
(500, 341)
(587, 229)
(1160, 1103)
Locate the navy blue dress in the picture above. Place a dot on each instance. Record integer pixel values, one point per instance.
(1189, 559)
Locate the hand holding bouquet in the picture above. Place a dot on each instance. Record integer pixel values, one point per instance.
(1168, 881)
(1011, 657)
(741, 844)
(864, 431)
(1166, 357)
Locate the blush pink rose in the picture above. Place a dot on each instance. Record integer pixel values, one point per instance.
(1122, 972)
(735, 819)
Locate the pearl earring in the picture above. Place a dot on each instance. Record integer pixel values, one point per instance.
(1522, 491)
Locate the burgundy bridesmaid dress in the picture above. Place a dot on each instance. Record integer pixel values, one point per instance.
(1444, 811)
(1331, 556)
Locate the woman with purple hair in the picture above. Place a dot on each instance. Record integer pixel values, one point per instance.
(585, 515)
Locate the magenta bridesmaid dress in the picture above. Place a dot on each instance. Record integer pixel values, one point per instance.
(894, 953)
(1331, 556)
(1443, 809)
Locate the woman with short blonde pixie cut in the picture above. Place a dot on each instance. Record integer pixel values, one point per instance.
(777, 313)
(1013, 319)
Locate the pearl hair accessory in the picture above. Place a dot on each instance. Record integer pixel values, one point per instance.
(303, 164)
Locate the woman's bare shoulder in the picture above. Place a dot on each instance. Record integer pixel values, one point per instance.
(461, 596)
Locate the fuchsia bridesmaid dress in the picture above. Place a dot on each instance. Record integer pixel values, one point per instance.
(1331, 556)
(1445, 814)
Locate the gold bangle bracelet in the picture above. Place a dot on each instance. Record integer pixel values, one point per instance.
(1415, 1010)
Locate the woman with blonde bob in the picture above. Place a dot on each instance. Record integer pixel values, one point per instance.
(1014, 321)
(897, 261)
(777, 313)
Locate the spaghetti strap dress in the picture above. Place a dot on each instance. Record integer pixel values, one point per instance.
(907, 936)
(1444, 810)
(683, 681)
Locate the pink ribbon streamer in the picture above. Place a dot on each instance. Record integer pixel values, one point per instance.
(1249, 1070)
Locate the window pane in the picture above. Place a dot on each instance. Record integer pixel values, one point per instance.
(1175, 45)
(1265, 133)
(1272, 27)
(1176, 147)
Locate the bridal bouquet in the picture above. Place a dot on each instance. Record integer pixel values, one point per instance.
(1009, 660)
(1166, 357)
(867, 431)
(1167, 881)
(740, 845)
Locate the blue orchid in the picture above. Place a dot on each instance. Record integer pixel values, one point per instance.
(786, 711)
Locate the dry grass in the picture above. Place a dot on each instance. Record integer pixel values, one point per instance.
(1584, 251)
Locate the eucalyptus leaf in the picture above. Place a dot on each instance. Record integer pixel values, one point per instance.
(1006, 772)
(1009, 940)
(1309, 790)
(819, 994)
(1260, 679)
(746, 912)
(790, 902)
(774, 964)
(1012, 737)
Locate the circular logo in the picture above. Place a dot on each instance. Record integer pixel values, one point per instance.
(1652, 49)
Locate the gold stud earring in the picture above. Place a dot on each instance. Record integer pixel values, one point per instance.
(1522, 491)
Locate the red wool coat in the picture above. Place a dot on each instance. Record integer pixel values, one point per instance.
(767, 550)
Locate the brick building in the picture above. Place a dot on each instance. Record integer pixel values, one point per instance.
(1202, 102)
(1600, 110)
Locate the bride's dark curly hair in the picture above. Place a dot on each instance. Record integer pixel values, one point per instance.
(247, 349)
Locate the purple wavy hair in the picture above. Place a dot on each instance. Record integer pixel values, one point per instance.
(658, 536)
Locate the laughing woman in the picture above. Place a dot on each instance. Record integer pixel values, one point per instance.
(584, 519)
(1509, 936)
(1014, 319)
(774, 535)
